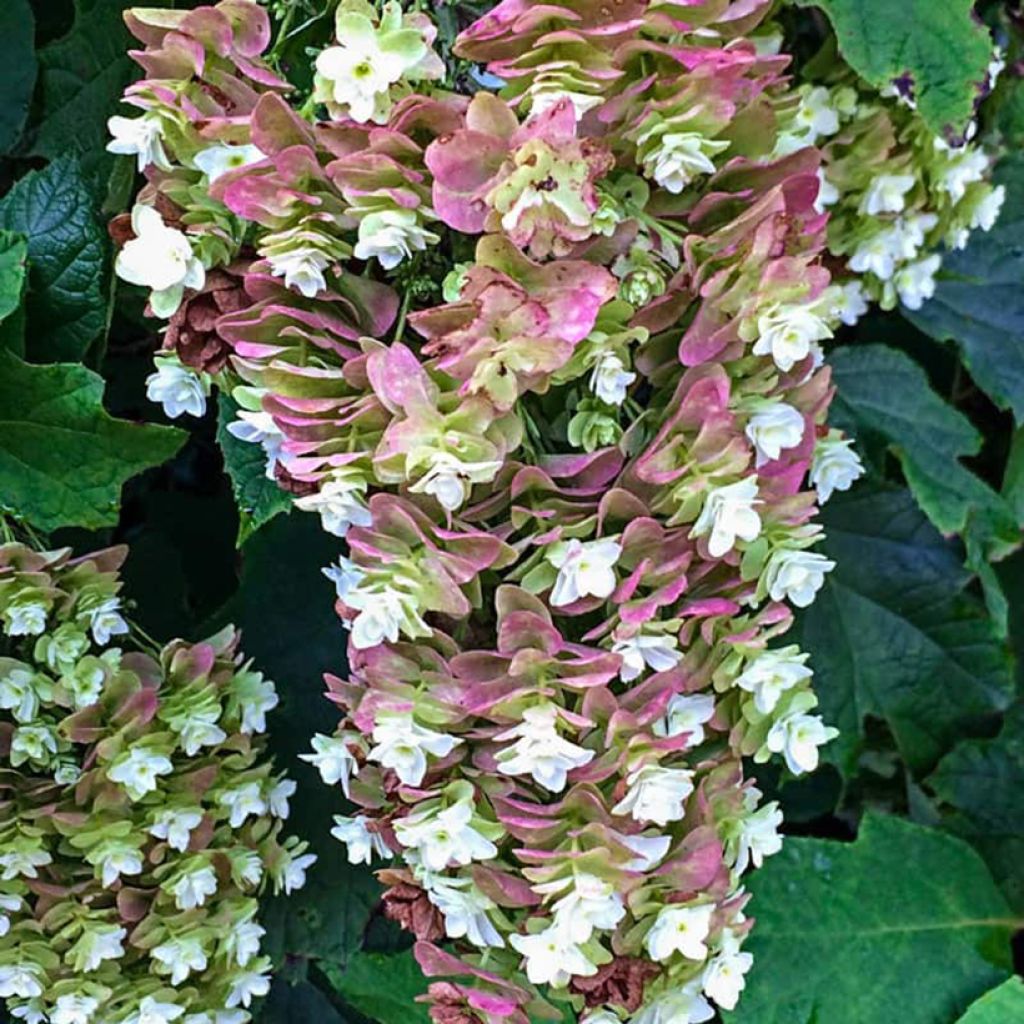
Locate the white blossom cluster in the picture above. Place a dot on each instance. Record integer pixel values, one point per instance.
(141, 817)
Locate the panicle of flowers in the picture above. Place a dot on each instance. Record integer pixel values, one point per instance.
(141, 818)
(897, 194)
(576, 480)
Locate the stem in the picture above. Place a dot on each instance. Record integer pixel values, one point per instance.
(402, 313)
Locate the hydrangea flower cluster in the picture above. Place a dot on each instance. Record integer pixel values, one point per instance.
(897, 193)
(577, 496)
(140, 820)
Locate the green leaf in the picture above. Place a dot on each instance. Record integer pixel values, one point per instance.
(903, 924)
(979, 301)
(882, 392)
(382, 986)
(66, 306)
(1003, 1005)
(940, 47)
(983, 782)
(284, 607)
(258, 498)
(82, 77)
(13, 268)
(17, 70)
(302, 1003)
(63, 459)
(892, 635)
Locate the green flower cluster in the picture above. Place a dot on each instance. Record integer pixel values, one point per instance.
(139, 817)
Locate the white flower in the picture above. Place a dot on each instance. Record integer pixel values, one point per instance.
(403, 745)
(878, 254)
(141, 137)
(656, 794)
(360, 72)
(105, 621)
(552, 958)
(847, 302)
(246, 987)
(449, 479)
(797, 737)
(33, 743)
(787, 332)
(828, 194)
(254, 427)
(175, 826)
(302, 269)
(464, 908)
(591, 903)
(445, 837)
(18, 695)
(179, 957)
(683, 1005)
(98, 943)
(246, 867)
(679, 157)
(382, 614)
(795, 575)
(650, 851)
(177, 388)
(728, 514)
(539, 751)
(687, 713)
(544, 95)
(915, 282)
(771, 673)
(8, 905)
(986, 211)
(277, 799)
(912, 231)
(151, 1011)
(333, 759)
(31, 1012)
(161, 259)
(759, 837)
(345, 576)
(20, 982)
(25, 618)
(963, 169)
(115, 859)
(886, 194)
(220, 158)
(138, 770)
(817, 114)
(610, 379)
(723, 979)
(391, 236)
(243, 801)
(659, 653)
(243, 941)
(361, 842)
(682, 930)
(74, 1009)
(834, 466)
(293, 872)
(18, 862)
(340, 504)
(773, 427)
(256, 696)
(192, 888)
(584, 569)
(200, 730)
